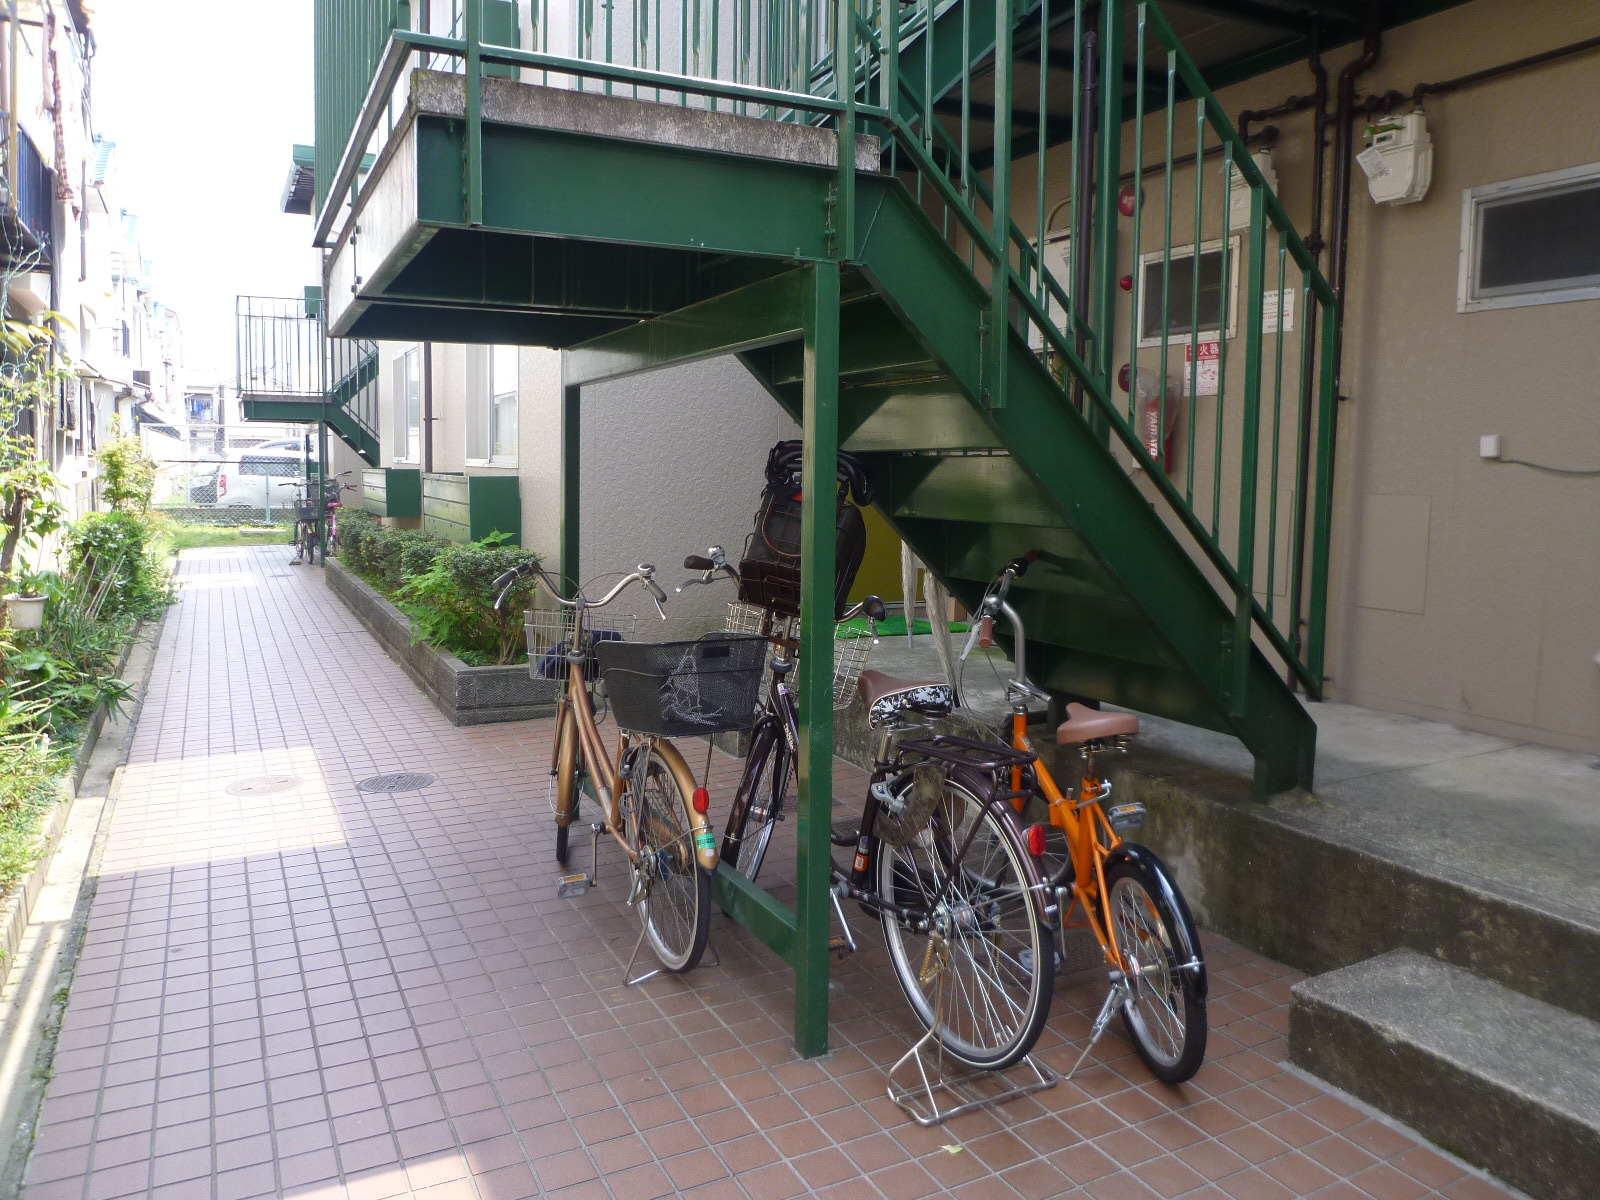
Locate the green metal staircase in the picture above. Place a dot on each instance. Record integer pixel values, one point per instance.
(817, 194)
(291, 372)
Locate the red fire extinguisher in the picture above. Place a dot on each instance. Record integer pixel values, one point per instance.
(1160, 442)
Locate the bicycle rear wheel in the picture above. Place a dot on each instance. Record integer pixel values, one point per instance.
(1166, 1011)
(671, 890)
(983, 973)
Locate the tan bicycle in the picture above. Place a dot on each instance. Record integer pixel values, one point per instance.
(648, 797)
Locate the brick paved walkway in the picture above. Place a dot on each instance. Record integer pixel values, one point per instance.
(321, 992)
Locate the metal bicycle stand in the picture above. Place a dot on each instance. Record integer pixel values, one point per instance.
(934, 1077)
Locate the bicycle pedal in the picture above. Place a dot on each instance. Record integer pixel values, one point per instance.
(1126, 816)
(838, 945)
(570, 886)
(846, 832)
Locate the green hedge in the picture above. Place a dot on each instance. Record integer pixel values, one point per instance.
(446, 588)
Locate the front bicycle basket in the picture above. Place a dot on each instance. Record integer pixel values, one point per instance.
(684, 689)
(306, 512)
(849, 654)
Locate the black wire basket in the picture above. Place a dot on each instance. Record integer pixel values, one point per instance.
(306, 512)
(684, 689)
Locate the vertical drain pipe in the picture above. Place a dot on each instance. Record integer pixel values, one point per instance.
(427, 407)
(1083, 202)
(1338, 250)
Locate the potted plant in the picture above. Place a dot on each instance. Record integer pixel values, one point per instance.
(25, 606)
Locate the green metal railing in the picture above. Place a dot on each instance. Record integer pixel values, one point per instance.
(1240, 473)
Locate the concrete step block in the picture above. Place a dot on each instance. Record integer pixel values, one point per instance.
(1509, 1083)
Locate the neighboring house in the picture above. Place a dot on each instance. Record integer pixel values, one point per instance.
(69, 248)
(1458, 586)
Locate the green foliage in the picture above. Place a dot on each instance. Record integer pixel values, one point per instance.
(446, 589)
(29, 764)
(452, 603)
(127, 475)
(127, 551)
(31, 376)
(356, 530)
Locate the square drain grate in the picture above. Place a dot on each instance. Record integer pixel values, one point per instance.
(400, 781)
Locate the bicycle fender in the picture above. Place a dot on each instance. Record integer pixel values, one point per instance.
(705, 841)
(1134, 852)
(985, 788)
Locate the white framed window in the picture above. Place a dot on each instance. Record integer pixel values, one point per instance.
(492, 405)
(1216, 311)
(1534, 240)
(408, 406)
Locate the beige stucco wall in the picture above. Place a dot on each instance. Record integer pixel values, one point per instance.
(1461, 589)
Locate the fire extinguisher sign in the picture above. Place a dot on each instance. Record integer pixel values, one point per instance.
(1202, 362)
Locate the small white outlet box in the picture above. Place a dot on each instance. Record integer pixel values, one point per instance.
(1489, 446)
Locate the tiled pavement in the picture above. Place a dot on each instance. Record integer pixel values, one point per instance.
(321, 992)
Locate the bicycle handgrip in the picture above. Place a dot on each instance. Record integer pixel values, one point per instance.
(697, 562)
(986, 632)
(655, 590)
(1019, 566)
(505, 580)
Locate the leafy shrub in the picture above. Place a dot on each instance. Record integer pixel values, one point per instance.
(29, 763)
(356, 530)
(127, 475)
(452, 603)
(124, 549)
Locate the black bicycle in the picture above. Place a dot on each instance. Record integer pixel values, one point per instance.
(938, 854)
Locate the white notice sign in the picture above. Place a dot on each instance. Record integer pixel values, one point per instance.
(1201, 364)
(1273, 299)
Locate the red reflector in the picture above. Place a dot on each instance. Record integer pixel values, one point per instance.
(702, 801)
(1036, 836)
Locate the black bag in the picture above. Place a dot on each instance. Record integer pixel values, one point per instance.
(769, 572)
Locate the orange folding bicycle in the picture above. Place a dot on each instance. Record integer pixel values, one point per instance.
(1117, 888)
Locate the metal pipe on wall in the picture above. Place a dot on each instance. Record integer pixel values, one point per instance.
(427, 406)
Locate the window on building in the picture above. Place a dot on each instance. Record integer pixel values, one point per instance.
(503, 404)
(1178, 289)
(1531, 241)
(492, 405)
(408, 406)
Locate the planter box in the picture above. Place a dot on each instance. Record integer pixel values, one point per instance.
(392, 491)
(465, 694)
(465, 508)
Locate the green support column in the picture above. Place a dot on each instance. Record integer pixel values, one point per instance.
(817, 531)
(571, 496)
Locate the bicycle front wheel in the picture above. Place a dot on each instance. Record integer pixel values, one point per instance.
(761, 798)
(569, 778)
(982, 973)
(1165, 1014)
(671, 890)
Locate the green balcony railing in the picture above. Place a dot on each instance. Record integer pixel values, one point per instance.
(285, 354)
(1150, 253)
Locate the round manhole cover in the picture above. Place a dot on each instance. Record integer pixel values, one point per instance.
(401, 781)
(262, 785)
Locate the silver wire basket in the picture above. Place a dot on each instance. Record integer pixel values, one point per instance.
(550, 638)
(849, 654)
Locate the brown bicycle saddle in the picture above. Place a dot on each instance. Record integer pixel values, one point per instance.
(1085, 724)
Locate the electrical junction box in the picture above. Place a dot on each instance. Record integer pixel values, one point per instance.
(1239, 190)
(1398, 159)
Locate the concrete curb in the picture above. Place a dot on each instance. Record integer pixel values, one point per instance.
(466, 695)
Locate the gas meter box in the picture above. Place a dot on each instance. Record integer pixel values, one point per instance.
(1398, 159)
(1239, 190)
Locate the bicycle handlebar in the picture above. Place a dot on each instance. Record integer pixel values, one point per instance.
(643, 573)
(712, 561)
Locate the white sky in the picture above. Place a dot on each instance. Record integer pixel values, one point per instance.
(204, 99)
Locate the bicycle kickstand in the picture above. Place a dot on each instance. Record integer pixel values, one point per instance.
(1115, 999)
